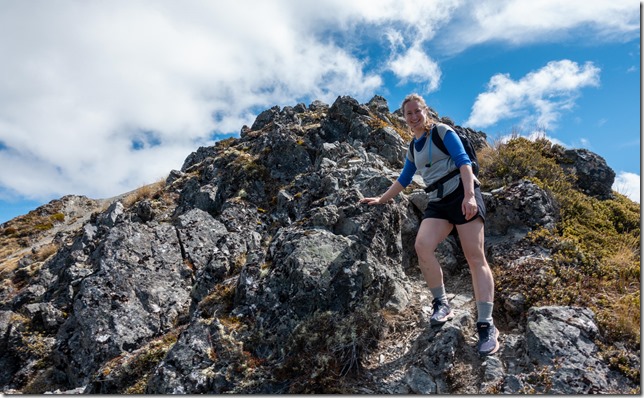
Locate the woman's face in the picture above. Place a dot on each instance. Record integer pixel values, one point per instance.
(415, 116)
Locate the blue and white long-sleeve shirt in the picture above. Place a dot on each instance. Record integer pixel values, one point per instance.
(432, 163)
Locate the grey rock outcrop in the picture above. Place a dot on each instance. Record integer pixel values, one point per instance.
(137, 289)
(255, 269)
(594, 177)
(518, 209)
(561, 356)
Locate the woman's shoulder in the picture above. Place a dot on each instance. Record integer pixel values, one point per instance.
(443, 128)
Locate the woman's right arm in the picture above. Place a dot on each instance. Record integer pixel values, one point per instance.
(405, 178)
(391, 193)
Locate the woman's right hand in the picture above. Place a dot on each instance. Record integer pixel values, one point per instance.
(371, 201)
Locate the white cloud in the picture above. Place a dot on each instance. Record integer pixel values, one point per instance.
(81, 80)
(97, 98)
(519, 22)
(537, 99)
(628, 184)
(416, 66)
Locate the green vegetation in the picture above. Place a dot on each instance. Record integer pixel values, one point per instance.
(57, 217)
(595, 245)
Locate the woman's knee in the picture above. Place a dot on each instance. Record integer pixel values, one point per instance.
(430, 234)
(424, 246)
(477, 262)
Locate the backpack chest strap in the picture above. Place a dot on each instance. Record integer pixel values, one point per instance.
(439, 184)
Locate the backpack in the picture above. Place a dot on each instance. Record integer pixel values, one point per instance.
(438, 141)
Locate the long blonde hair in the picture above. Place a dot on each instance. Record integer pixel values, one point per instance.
(429, 119)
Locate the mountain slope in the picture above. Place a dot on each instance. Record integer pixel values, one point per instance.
(254, 269)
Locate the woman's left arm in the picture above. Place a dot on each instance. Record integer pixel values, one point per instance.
(469, 206)
(463, 162)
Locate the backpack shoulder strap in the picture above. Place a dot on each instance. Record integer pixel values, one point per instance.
(438, 141)
(411, 149)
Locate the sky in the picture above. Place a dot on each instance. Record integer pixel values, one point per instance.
(99, 98)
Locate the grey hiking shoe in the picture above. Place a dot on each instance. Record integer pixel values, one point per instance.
(488, 338)
(442, 313)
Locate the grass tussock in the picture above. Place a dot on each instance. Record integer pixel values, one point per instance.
(149, 191)
(595, 245)
(376, 123)
(129, 373)
(327, 347)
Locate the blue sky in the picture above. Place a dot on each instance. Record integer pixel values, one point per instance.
(99, 98)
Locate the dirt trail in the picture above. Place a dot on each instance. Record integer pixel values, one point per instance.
(409, 336)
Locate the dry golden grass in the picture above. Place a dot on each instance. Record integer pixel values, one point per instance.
(8, 262)
(145, 192)
(45, 251)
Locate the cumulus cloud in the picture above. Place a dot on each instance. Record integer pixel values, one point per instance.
(537, 98)
(98, 98)
(416, 66)
(628, 184)
(519, 22)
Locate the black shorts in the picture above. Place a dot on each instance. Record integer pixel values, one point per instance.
(449, 208)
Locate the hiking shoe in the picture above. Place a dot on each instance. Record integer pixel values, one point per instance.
(488, 338)
(442, 313)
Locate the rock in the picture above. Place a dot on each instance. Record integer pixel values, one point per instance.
(198, 363)
(139, 290)
(562, 355)
(594, 177)
(420, 382)
(518, 209)
(44, 316)
(144, 211)
(265, 117)
(110, 217)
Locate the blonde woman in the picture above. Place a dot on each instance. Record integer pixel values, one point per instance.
(456, 202)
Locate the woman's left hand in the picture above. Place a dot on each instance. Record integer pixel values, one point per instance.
(469, 207)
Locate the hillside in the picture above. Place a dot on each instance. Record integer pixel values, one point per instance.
(254, 269)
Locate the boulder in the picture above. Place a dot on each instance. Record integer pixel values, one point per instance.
(594, 176)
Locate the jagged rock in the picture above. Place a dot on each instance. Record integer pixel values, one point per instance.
(518, 209)
(144, 211)
(138, 290)
(265, 117)
(108, 219)
(563, 338)
(204, 197)
(594, 177)
(387, 143)
(562, 357)
(379, 105)
(319, 106)
(8, 363)
(194, 159)
(44, 316)
(203, 361)
(344, 121)
(316, 270)
(420, 382)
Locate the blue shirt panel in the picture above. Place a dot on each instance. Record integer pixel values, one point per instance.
(456, 150)
(407, 173)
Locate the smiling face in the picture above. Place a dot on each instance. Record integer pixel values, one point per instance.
(416, 117)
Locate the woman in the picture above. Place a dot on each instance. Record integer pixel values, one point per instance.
(458, 203)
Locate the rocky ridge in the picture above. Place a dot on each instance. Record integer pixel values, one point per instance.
(254, 269)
